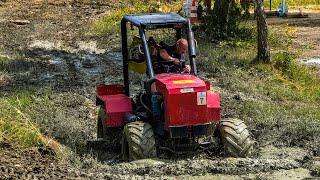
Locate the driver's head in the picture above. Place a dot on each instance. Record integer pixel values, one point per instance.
(182, 46)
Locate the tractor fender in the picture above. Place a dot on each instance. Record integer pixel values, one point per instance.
(115, 104)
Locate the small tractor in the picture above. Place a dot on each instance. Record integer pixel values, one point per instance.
(183, 114)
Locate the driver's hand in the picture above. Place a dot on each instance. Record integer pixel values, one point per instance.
(186, 69)
(176, 61)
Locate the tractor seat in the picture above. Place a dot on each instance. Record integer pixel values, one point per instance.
(137, 61)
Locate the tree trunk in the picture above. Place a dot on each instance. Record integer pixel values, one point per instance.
(263, 47)
(222, 10)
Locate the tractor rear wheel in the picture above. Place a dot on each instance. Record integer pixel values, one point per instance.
(111, 135)
(101, 128)
(235, 137)
(138, 141)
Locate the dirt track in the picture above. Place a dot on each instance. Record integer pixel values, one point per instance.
(49, 50)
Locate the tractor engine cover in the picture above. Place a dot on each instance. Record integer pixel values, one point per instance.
(187, 101)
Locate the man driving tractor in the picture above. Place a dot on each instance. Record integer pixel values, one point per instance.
(175, 111)
(172, 58)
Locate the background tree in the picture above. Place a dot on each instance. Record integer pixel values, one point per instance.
(222, 10)
(262, 27)
(223, 20)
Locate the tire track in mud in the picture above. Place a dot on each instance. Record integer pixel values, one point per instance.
(229, 166)
(36, 163)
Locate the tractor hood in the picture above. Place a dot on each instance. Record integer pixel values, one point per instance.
(179, 81)
(187, 100)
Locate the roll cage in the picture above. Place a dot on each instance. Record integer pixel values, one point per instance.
(154, 21)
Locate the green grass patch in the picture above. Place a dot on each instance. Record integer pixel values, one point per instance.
(279, 101)
(3, 63)
(284, 79)
(111, 22)
(16, 126)
(282, 123)
(299, 81)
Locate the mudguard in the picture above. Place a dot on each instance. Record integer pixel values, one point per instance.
(116, 104)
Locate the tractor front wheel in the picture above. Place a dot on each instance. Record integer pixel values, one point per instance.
(235, 138)
(138, 141)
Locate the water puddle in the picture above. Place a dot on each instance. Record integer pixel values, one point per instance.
(90, 47)
(46, 44)
(84, 62)
(115, 56)
(56, 61)
(312, 61)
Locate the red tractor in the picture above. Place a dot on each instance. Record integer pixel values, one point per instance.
(182, 115)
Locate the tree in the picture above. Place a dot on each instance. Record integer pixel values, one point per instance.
(222, 12)
(262, 27)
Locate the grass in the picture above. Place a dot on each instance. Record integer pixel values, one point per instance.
(279, 101)
(283, 78)
(111, 21)
(15, 124)
(315, 171)
(3, 62)
(23, 120)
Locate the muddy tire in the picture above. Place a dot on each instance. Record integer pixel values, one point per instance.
(112, 135)
(101, 129)
(138, 141)
(235, 138)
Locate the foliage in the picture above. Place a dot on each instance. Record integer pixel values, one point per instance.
(215, 25)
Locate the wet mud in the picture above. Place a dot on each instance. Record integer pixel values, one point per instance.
(50, 54)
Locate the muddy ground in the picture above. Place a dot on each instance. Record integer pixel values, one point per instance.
(51, 52)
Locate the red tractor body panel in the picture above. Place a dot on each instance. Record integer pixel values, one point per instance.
(187, 101)
(116, 104)
(213, 105)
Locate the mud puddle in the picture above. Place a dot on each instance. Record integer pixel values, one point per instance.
(272, 159)
(84, 64)
(311, 61)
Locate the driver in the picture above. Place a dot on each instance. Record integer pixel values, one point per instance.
(172, 57)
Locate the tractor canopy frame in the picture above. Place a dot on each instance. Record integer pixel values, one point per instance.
(154, 21)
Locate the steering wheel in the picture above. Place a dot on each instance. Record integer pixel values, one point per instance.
(168, 68)
(173, 68)
(182, 64)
